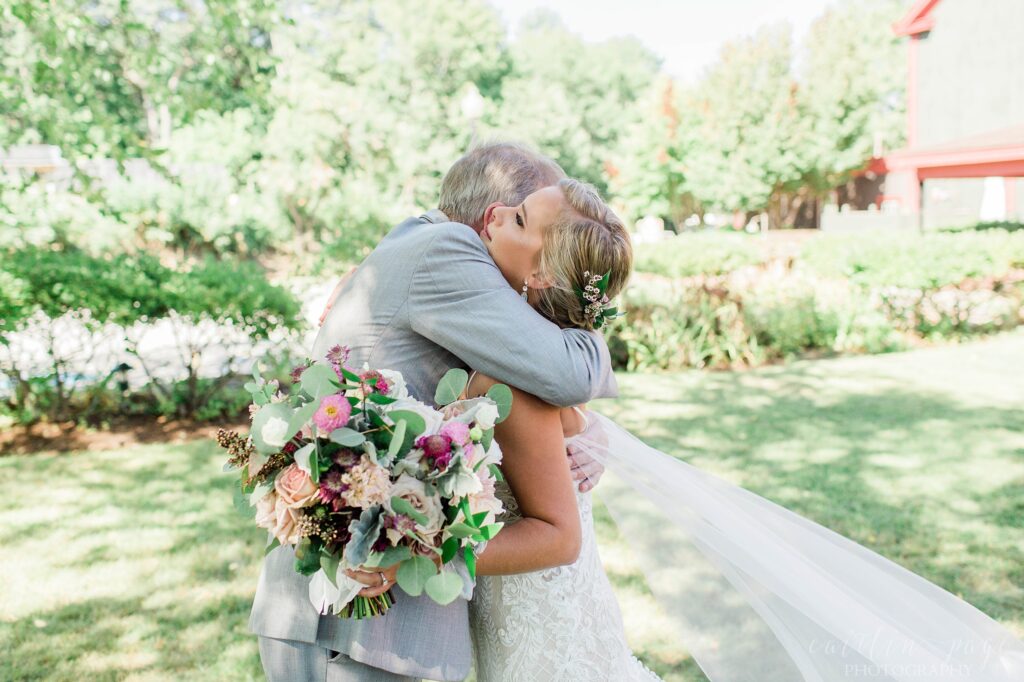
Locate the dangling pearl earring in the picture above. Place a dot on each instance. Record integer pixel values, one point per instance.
(525, 287)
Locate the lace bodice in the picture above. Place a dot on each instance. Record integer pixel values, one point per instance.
(557, 624)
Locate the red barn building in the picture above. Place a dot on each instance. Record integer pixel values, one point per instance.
(964, 157)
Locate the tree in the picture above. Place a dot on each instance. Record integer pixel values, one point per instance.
(115, 77)
(852, 89)
(574, 100)
(651, 170)
(751, 136)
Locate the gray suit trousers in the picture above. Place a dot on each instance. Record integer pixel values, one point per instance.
(286, 660)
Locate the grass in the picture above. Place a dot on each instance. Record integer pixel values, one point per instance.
(131, 564)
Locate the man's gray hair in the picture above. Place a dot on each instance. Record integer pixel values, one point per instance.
(495, 171)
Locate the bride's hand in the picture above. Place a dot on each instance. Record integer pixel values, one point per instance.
(377, 581)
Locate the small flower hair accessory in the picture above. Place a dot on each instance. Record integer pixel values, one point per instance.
(597, 307)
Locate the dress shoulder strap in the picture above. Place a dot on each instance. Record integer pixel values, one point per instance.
(583, 416)
(472, 375)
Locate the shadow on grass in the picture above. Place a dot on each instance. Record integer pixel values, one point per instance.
(108, 639)
(878, 466)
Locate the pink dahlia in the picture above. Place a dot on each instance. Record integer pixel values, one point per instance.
(333, 413)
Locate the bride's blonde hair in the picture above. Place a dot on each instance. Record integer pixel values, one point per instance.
(587, 237)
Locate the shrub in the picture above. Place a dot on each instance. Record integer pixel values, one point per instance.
(69, 305)
(693, 325)
(703, 253)
(927, 261)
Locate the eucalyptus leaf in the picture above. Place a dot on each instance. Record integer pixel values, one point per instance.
(502, 397)
(389, 557)
(400, 505)
(397, 438)
(415, 423)
(451, 386)
(444, 588)
(414, 573)
(250, 387)
(347, 437)
(241, 503)
(260, 492)
(302, 415)
(319, 380)
(272, 544)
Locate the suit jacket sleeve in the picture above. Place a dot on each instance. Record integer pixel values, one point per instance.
(459, 300)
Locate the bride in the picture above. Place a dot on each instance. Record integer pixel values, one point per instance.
(756, 592)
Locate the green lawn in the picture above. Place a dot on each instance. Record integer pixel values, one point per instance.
(131, 564)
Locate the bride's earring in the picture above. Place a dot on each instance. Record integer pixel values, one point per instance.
(526, 286)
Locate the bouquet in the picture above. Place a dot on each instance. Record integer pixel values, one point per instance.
(352, 472)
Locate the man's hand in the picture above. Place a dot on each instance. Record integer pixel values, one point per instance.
(585, 469)
(377, 581)
(334, 295)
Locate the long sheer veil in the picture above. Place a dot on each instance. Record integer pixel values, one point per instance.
(761, 594)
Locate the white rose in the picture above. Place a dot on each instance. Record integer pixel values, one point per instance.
(415, 493)
(459, 481)
(433, 419)
(493, 455)
(398, 388)
(486, 415)
(275, 432)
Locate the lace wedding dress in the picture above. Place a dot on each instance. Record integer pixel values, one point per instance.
(559, 624)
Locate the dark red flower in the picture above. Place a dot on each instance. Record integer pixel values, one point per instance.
(437, 449)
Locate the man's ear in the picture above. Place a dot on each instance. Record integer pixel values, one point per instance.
(489, 213)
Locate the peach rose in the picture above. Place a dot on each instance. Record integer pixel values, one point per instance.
(285, 529)
(265, 514)
(295, 488)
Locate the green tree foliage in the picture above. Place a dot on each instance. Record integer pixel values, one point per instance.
(852, 88)
(115, 77)
(650, 170)
(750, 128)
(574, 99)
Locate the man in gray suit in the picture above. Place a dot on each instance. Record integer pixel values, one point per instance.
(427, 299)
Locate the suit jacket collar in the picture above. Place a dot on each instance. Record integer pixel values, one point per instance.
(435, 215)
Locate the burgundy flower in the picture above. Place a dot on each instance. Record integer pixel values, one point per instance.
(331, 486)
(345, 458)
(437, 449)
(381, 544)
(296, 373)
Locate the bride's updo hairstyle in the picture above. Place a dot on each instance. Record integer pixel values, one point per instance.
(587, 237)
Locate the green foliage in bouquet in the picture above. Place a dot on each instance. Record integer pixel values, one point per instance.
(352, 472)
